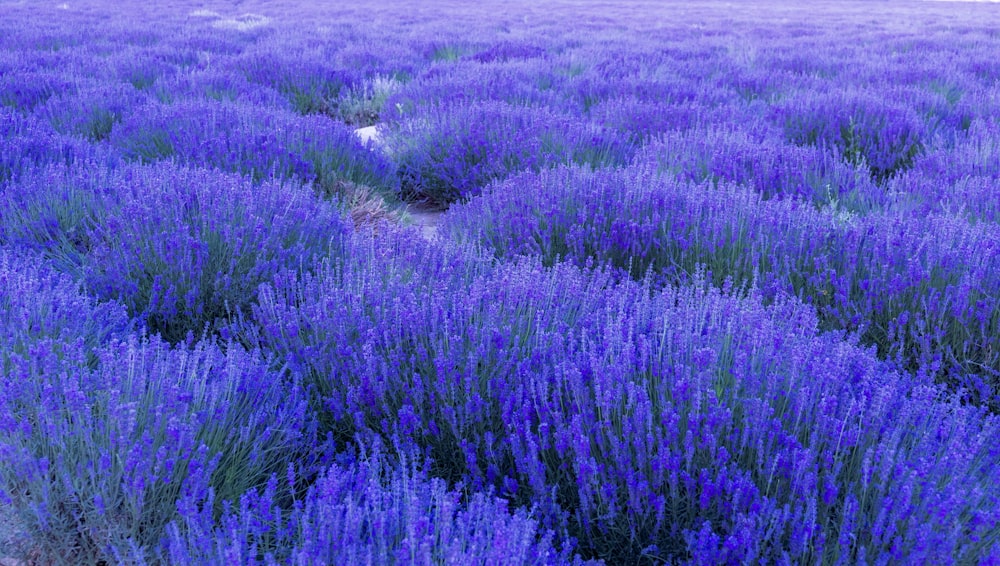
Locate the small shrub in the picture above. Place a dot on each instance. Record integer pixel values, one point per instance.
(520, 83)
(507, 50)
(40, 303)
(52, 211)
(217, 84)
(26, 143)
(24, 91)
(771, 167)
(310, 82)
(91, 112)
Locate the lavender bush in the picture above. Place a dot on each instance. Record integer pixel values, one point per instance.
(453, 153)
(608, 428)
(215, 84)
(52, 211)
(771, 167)
(183, 249)
(25, 91)
(531, 82)
(96, 460)
(254, 141)
(102, 431)
(42, 304)
(645, 120)
(863, 127)
(28, 143)
(365, 512)
(92, 113)
(189, 248)
(306, 78)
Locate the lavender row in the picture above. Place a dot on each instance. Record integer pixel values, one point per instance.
(26, 143)
(119, 448)
(103, 432)
(688, 424)
(449, 155)
(861, 126)
(960, 179)
(316, 70)
(771, 167)
(922, 290)
(253, 141)
(183, 249)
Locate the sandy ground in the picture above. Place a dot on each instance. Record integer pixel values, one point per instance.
(424, 218)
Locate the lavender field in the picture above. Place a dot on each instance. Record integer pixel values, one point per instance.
(596, 282)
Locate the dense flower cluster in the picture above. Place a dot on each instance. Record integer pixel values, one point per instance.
(711, 286)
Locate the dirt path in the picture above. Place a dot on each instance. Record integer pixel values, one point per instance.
(425, 218)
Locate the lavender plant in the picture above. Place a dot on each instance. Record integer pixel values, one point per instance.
(771, 167)
(141, 66)
(452, 153)
(26, 90)
(638, 221)
(974, 155)
(645, 120)
(95, 461)
(27, 143)
(254, 141)
(307, 80)
(215, 84)
(531, 82)
(865, 128)
(364, 512)
(40, 304)
(90, 112)
(973, 198)
(378, 52)
(185, 250)
(52, 211)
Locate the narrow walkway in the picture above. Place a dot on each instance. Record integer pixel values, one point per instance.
(424, 217)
